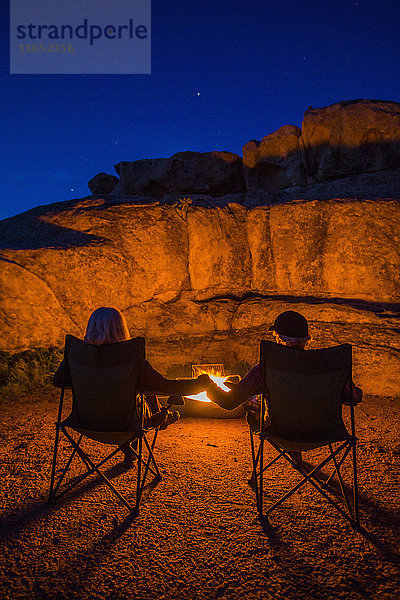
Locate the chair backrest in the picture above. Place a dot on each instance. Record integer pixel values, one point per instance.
(304, 390)
(105, 381)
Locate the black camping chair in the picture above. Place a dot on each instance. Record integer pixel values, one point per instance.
(301, 409)
(108, 407)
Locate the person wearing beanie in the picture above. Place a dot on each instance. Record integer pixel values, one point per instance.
(291, 329)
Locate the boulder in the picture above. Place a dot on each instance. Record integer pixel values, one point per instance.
(212, 173)
(102, 184)
(357, 136)
(203, 283)
(274, 163)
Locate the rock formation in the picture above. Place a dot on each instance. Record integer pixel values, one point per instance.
(276, 162)
(203, 276)
(358, 136)
(345, 139)
(213, 173)
(102, 184)
(203, 284)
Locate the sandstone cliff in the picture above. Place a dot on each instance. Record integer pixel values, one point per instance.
(203, 283)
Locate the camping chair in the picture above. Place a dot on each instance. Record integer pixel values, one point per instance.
(301, 409)
(108, 407)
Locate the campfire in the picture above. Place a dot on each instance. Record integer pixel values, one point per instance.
(199, 405)
(217, 374)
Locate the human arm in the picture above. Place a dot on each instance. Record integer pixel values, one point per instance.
(250, 385)
(154, 382)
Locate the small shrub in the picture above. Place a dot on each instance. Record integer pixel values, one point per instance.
(4, 358)
(25, 370)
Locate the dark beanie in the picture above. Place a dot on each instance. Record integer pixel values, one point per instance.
(292, 324)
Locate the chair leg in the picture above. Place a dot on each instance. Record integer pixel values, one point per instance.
(95, 468)
(355, 483)
(255, 458)
(351, 447)
(143, 468)
(150, 448)
(310, 477)
(147, 468)
(345, 453)
(339, 476)
(51, 498)
(55, 486)
(153, 443)
(271, 462)
(155, 471)
(60, 479)
(258, 478)
(139, 472)
(260, 495)
(53, 465)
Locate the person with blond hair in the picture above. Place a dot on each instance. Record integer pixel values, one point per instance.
(108, 326)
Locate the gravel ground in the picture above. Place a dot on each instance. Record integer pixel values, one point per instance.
(197, 535)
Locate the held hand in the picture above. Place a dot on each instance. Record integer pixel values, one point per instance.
(230, 384)
(204, 381)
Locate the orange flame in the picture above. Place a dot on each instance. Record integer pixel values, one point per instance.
(202, 397)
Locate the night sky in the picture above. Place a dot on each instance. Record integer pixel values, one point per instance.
(223, 72)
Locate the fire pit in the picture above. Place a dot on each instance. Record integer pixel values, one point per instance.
(199, 405)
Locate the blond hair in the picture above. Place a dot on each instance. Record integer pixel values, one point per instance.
(106, 326)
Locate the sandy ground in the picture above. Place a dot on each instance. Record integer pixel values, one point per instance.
(197, 536)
